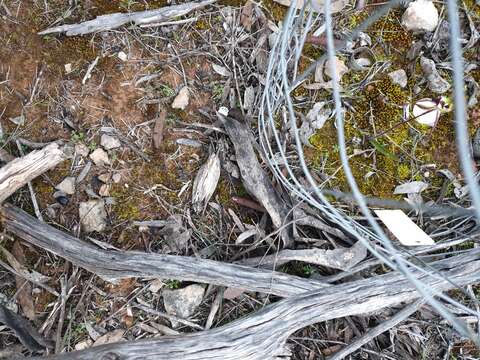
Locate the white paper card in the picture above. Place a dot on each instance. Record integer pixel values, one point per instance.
(404, 229)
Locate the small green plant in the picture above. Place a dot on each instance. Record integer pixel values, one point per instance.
(217, 91)
(92, 146)
(127, 4)
(308, 270)
(77, 136)
(173, 284)
(166, 91)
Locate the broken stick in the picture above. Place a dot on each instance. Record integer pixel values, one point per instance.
(20, 171)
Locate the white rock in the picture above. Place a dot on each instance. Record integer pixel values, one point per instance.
(109, 142)
(82, 345)
(399, 77)
(68, 68)
(340, 69)
(104, 190)
(82, 149)
(183, 302)
(421, 15)
(122, 56)
(117, 178)
(67, 185)
(181, 100)
(93, 216)
(100, 157)
(222, 110)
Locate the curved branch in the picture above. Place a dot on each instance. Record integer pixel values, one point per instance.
(125, 264)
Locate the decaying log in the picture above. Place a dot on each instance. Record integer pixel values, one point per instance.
(116, 264)
(113, 21)
(263, 335)
(19, 172)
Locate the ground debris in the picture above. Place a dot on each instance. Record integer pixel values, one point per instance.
(205, 182)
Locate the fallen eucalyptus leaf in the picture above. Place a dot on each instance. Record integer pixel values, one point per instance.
(414, 187)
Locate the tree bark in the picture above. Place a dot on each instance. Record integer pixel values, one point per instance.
(19, 172)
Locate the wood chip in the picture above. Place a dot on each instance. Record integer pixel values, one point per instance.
(158, 129)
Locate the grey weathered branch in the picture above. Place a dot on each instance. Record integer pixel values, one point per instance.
(19, 172)
(113, 21)
(263, 335)
(125, 264)
(255, 180)
(341, 258)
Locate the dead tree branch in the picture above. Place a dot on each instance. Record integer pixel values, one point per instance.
(113, 21)
(125, 264)
(263, 334)
(19, 172)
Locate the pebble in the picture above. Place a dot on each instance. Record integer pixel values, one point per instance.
(82, 150)
(435, 82)
(399, 77)
(61, 198)
(183, 302)
(67, 185)
(117, 178)
(100, 157)
(421, 15)
(109, 142)
(93, 216)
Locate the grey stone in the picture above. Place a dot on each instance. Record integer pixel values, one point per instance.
(67, 186)
(100, 157)
(399, 77)
(109, 142)
(82, 150)
(93, 216)
(435, 82)
(183, 302)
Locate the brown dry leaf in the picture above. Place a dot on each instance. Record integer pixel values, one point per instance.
(110, 337)
(246, 16)
(158, 129)
(24, 288)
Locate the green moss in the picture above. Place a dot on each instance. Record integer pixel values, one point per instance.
(403, 171)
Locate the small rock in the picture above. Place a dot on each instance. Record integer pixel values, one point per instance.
(421, 15)
(109, 142)
(82, 345)
(181, 100)
(117, 178)
(67, 185)
(82, 150)
(61, 198)
(183, 302)
(122, 56)
(100, 157)
(340, 68)
(156, 285)
(104, 190)
(399, 77)
(93, 216)
(435, 82)
(68, 68)
(104, 178)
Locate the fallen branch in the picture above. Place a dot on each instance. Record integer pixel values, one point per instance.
(342, 258)
(19, 172)
(263, 335)
(116, 264)
(113, 21)
(254, 179)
